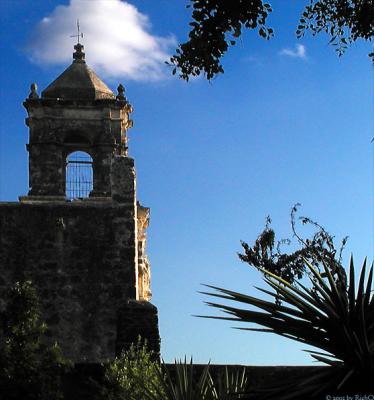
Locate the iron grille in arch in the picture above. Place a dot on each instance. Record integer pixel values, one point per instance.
(79, 175)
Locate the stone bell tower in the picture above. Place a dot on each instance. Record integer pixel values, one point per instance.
(75, 112)
(79, 234)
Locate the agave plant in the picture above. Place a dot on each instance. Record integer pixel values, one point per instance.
(332, 316)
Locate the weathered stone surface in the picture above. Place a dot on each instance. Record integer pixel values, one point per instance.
(78, 81)
(82, 259)
(138, 318)
(123, 179)
(59, 128)
(144, 267)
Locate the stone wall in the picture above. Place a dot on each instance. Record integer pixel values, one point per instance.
(81, 257)
(138, 318)
(84, 381)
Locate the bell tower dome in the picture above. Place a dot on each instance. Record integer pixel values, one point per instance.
(76, 113)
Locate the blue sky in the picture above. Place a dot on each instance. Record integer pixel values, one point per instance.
(213, 159)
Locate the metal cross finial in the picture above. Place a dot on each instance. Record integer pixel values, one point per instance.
(80, 34)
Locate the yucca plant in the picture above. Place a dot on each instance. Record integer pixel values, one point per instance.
(182, 385)
(185, 383)
(230, 386)
(332, 316)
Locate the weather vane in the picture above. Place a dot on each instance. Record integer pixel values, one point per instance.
(80, 34)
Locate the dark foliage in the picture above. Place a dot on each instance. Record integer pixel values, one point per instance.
(217, 24)
(184, 382)
(344, 21)
(29, 369)
(267, 255)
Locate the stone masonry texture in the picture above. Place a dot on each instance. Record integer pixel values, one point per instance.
(81, 260)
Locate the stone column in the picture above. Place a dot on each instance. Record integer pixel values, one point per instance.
(46, 175)
(102, 159)
(123, 190)
(123, 180)
(136, 317)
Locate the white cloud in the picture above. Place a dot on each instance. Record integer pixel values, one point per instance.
(117, 40)
(299, 52)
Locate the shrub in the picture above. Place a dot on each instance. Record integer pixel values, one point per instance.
(132, 374)
(136, 376)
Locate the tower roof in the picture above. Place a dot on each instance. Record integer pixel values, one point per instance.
(78, 82)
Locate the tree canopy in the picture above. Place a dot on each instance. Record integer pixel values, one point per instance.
(267, 254)
(217, 24)
(30, 369)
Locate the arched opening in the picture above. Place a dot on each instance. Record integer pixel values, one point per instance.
(79, 175)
